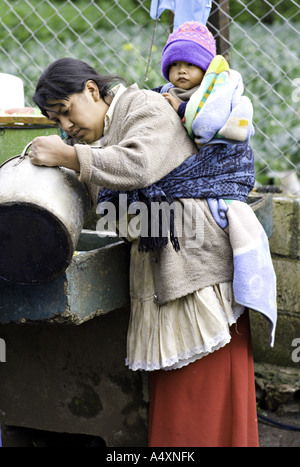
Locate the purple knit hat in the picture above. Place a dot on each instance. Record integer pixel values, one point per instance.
(192, 42)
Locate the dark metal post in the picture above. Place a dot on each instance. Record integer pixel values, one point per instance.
(218, 23)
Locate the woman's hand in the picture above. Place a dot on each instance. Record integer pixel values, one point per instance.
(52, 152)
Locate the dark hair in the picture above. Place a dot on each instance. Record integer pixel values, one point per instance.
(65, 77)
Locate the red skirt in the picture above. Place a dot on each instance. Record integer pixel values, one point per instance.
(208, 403)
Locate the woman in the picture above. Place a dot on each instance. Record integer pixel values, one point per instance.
(186, 328)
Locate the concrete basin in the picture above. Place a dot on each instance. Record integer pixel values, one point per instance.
(95, 283)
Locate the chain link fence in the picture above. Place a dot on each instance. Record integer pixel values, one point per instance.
(259, 37)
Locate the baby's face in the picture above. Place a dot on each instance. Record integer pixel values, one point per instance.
(185, 75)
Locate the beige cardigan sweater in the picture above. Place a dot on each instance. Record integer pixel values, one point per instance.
(146, 140)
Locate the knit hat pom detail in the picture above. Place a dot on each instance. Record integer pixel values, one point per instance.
(192, 42)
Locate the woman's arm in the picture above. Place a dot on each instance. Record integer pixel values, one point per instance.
(145, 142)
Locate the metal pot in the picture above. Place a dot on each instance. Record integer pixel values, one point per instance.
(42, 211)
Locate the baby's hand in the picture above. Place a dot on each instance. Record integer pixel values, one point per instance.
(175, 103)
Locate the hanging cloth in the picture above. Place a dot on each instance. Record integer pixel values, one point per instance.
(196, 10)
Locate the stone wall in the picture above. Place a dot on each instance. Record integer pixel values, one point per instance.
(277, 369)
(285, 249)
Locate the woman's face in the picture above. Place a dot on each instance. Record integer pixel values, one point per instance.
(82, 115)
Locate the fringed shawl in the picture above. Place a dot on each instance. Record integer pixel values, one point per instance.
(216, 171)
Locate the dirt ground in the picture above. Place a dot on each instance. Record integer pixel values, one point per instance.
(269, 434)
(273, 436)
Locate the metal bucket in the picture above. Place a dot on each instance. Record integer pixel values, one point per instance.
(42, 211)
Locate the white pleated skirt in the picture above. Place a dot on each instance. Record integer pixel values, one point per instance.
(183, 330)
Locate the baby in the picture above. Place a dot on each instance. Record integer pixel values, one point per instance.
(204, 91)
(186, 76)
